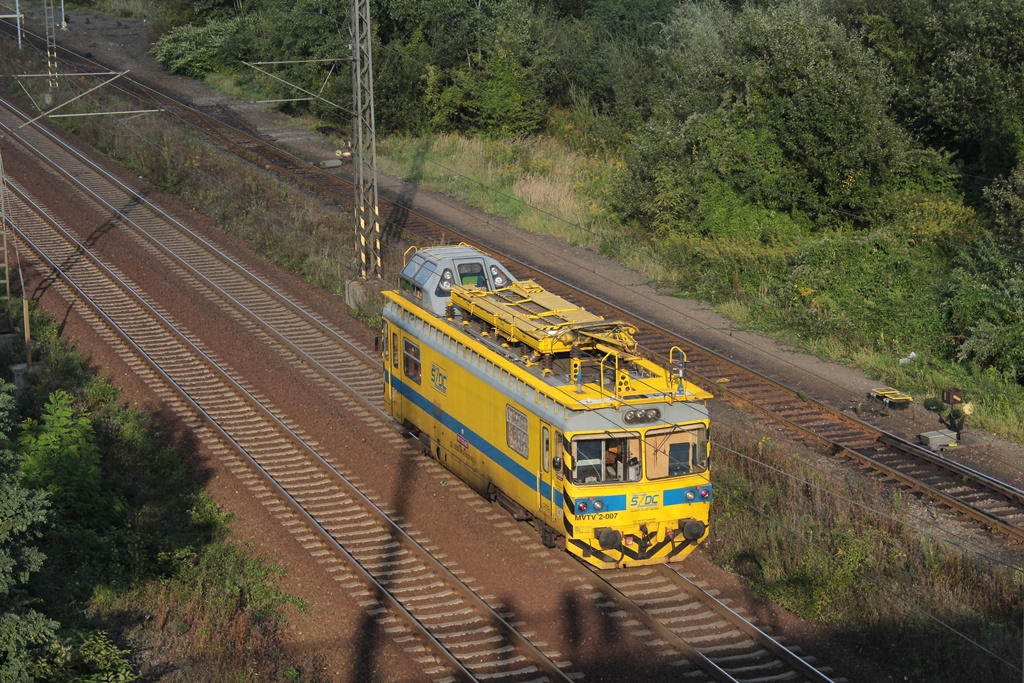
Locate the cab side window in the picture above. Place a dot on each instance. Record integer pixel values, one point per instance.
(412, 361)
(676, 452)
(545, 449)
(561, 453)
(589, 462)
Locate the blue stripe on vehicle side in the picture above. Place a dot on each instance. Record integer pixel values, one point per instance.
(545, 490)
(612, 503)
(483, 445)
(678, 496)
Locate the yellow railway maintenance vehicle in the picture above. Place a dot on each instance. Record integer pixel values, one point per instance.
(548, 409)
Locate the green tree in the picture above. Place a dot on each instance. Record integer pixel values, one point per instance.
(606, 57)
(1006, 200)
(455, 31)
(400, 79)
(506, 102)
(957, 69)
(784, 108)
(199, 11)
(197, 50)
(26, 635)
(498, 86)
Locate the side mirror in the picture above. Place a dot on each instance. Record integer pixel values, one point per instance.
(376, 344)
(556, 462)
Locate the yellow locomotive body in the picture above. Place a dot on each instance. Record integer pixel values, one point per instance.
(548, 409)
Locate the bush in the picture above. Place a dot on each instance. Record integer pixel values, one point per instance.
(985, 303)
(26, 635)
(197, 50)
(61, 458)
(79, 581)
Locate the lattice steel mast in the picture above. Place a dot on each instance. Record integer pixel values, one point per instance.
(367, 217)
(51, 42)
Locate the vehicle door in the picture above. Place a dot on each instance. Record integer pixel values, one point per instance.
(545, 482)
(397, 361)
(388, 356)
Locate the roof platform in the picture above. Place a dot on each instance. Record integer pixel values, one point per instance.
(524, 312)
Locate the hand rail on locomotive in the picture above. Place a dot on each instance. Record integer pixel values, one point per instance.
(680, 368)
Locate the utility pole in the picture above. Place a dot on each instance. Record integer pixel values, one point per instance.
(5, 326)
(51, 42)
(367, 213)
(17, 16)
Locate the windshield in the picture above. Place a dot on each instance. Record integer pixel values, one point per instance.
(604, 458)
(675, 452)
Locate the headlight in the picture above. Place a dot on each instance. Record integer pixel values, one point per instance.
(498, 277)
(648, 415)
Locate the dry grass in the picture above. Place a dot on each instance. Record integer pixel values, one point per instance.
(199, 626)
(283, 225)
(549, 198)
(139, 10)
(537, 184)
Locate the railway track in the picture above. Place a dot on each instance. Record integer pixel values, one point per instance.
(351, 536)
(467, 638)
(676, 610)
(993, 504)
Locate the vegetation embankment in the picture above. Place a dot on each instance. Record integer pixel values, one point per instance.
(865, 558)
(843, 175)
(113, 562)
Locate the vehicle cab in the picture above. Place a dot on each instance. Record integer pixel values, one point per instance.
(429, 274)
